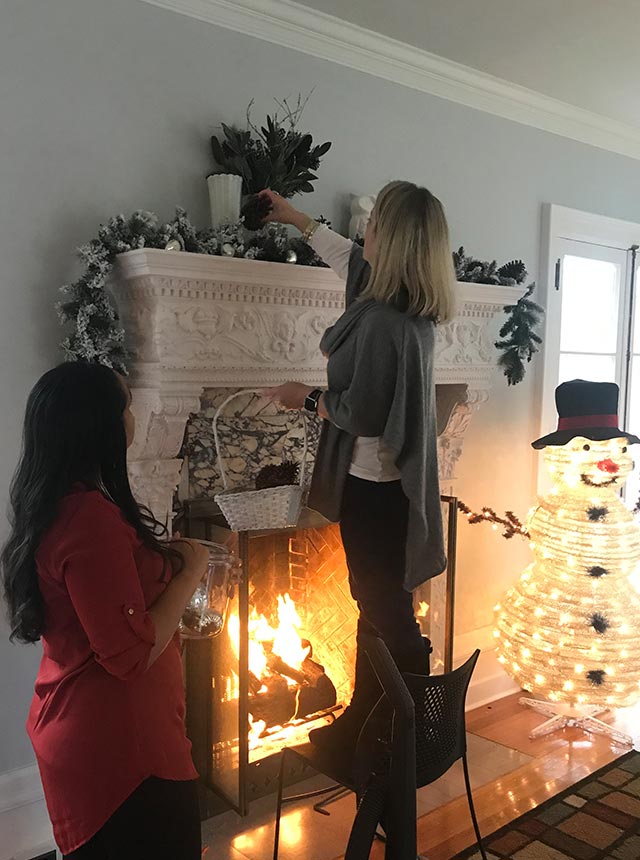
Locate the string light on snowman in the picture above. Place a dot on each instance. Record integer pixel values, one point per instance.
(569, 629)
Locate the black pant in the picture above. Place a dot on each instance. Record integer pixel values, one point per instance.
(159, 821)
(373, 524)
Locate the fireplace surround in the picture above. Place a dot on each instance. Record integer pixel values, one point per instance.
(199, 327)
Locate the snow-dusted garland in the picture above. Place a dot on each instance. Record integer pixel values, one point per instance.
(98, 336)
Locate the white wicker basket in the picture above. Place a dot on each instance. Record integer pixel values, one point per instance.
(256, 510)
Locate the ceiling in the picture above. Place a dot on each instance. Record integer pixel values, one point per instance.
(584, 52)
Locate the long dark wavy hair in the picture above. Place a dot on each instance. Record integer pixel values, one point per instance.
(73, 433)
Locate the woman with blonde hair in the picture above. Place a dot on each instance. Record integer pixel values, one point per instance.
(376, 469)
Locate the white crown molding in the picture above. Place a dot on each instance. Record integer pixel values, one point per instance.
(317, 34)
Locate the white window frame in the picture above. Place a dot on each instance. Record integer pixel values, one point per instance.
(560, 223)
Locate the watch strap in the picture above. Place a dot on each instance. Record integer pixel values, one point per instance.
(312, 399)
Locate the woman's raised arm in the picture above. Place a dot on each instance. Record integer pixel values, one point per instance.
(334, 249)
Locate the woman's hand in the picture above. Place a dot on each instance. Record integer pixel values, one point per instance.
(283, 212)
(291, 395)
(195, 557)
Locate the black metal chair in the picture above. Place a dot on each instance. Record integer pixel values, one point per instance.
(413, 735)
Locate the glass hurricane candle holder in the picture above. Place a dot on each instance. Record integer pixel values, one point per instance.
(206, 612)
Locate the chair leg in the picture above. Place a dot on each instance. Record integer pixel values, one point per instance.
(338, 792)
(472, 807)
(276, 837)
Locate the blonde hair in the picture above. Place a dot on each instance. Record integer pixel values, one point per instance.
(412, 252)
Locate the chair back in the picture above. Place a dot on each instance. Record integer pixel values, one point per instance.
(440, 719)
(413, 735)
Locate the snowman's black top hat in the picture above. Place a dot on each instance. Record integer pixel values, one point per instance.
(588, 409)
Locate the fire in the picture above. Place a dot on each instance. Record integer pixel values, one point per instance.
(283, 641)
(423, 609)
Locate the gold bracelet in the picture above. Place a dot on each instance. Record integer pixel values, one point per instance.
(310, 229)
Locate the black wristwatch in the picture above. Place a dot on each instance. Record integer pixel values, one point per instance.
(312, 399)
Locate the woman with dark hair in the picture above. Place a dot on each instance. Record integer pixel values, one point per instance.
(85, 570)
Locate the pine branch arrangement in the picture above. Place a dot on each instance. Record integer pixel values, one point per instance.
(510, 523)
(519, 336)
(277, 155)
(96, 332)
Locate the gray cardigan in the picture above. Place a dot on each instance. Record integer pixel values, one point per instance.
(380, 375)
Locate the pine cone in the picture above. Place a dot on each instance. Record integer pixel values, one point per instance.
(255, 212)
(284, 475)
(515, 270)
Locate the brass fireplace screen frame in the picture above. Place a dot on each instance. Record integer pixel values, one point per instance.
(241, 780)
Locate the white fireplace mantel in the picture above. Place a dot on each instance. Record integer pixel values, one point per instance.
(197, 322)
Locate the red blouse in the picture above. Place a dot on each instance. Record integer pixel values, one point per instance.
(100, 721)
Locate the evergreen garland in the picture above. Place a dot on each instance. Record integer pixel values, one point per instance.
(519, 337)
(520, 340)
(510, 523)
(97, 334)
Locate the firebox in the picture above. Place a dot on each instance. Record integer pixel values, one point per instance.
(284, 662)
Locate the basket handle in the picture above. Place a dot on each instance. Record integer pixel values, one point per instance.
(216, 437)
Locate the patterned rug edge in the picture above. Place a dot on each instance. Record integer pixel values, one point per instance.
(471, 853)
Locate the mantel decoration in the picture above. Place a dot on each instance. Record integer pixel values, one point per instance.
(277, 156)
(281, 157)
(568, 629)
(97, 334)
(520, 340)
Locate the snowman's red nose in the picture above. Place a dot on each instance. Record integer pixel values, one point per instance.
(608, 466)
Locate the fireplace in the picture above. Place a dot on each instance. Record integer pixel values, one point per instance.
(284, 662)
(199, 327)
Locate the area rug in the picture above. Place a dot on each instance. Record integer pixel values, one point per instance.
(596, 819)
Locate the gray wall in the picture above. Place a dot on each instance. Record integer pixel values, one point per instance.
(108, 106)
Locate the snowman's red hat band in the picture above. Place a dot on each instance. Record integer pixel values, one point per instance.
(576, 422)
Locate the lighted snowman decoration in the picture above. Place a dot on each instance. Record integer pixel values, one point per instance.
(569, 630)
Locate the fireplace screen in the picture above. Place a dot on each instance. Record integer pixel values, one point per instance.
(284, 662)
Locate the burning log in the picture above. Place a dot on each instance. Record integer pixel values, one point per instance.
(276, 705)
(318, 693)
(278, 666)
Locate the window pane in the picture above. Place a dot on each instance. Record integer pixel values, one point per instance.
(595, 368)
(590, 299)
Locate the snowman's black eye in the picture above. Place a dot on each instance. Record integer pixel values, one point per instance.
(586, 447)
(624, 449)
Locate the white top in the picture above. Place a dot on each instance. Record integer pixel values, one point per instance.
(372, 460)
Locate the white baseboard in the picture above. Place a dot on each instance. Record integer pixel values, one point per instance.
(489, 681)
(24, 823)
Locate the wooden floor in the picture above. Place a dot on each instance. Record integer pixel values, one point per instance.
(558, 761)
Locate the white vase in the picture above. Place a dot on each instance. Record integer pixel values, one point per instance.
(225, 193)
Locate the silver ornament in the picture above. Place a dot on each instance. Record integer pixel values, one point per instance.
(173, 245)
(228, 250)
(292, 257)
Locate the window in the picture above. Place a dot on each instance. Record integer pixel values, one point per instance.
(593, 313)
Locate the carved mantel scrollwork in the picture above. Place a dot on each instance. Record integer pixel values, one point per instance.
(195, 321)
